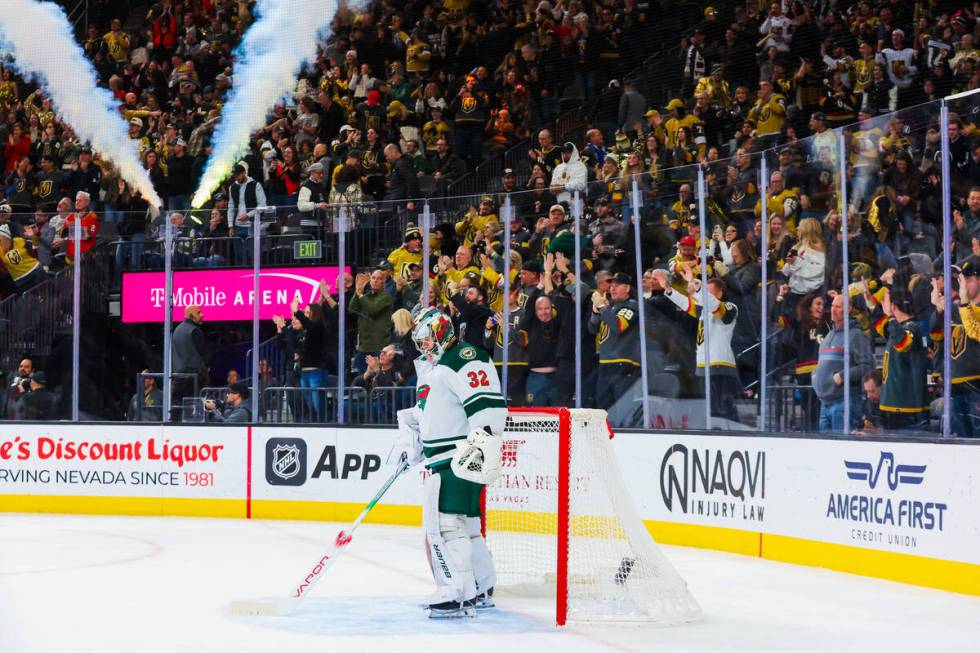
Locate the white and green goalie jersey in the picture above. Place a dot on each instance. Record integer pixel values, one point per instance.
(458, 394)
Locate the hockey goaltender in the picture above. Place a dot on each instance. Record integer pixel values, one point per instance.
(455, 429)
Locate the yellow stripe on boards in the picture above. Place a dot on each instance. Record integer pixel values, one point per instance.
(946, 575)
(137, 506)
(731, 540)
(336, 511)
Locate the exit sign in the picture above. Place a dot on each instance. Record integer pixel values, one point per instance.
(307, 249)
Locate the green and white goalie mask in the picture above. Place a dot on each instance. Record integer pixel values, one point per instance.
(433, 334)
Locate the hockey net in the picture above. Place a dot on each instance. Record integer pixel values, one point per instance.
(560, 521)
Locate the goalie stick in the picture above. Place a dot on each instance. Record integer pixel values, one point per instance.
(285, 606)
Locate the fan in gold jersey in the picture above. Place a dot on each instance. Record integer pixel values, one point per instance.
(17, 252)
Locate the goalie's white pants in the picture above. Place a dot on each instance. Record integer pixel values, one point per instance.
(457, 552)
(483, 569)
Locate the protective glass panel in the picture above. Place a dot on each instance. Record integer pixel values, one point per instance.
(303, 314)
(732, 343)
(36, 320)
(958, 363)
(895, 242)
(658, 221)
(89, 325)
(803, 258)
(384, 251)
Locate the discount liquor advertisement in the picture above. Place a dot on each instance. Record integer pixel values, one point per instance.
(123, 460)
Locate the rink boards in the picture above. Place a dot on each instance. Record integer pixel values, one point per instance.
(903, 511)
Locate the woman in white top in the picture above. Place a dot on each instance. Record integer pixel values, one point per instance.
(805, 263)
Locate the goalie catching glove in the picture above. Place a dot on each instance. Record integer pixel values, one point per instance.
(479, 458)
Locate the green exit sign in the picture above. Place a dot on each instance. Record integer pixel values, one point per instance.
(307, 249)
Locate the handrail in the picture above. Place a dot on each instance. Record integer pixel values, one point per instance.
(283, 404)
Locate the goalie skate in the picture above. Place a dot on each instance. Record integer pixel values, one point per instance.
(453, 610)
(484, 600)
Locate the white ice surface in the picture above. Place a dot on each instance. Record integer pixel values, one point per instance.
(126, 584)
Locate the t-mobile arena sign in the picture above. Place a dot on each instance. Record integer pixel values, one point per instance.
(223, 295)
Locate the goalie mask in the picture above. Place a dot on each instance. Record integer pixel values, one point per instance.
(433, 334)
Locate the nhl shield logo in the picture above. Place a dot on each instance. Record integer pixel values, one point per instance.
(285, 461)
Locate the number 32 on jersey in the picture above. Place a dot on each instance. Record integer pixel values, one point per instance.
(478, 379)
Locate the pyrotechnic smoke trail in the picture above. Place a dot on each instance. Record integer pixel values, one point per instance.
(39, 37)
(272, 53)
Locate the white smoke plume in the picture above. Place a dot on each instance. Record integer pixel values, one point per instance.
(271, 55)
(39, 38)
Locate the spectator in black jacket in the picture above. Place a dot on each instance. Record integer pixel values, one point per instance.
(402, 183)
(534, 205)
(289, 339)
(878, 92)
(161, 184)
(542, 326)
(332, 117)
(409, 291)
(675, 332)
(741, 279)
(559, 282)
(312, 359)
(189, 355)
(85, 175)
(39, 403)
(444, 166)
(472, 315)
(181, 178)
(402, 324)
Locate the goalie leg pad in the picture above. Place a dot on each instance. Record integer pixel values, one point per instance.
(483, 569)
(449, 548)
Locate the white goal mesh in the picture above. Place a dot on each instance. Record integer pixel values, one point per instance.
(613, 571)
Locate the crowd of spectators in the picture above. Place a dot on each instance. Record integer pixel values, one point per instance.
(401, 103)
(893, 181)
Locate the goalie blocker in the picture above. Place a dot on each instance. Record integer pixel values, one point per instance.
(454, 430)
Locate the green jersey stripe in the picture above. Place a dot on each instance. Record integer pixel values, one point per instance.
(435, 441)
(483, 404)
(479, 395)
